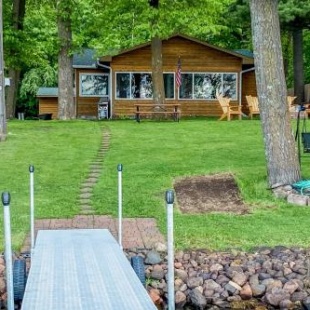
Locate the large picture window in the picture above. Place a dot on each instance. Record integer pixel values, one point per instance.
(139, 85)
(207, 85)
(94, 85)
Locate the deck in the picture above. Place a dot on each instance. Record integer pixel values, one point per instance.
(82, 269)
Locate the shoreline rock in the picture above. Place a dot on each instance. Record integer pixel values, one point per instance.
(269, 278)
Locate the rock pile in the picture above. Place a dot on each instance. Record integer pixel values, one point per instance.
(291, 195)
(2, 281)
(270, 278)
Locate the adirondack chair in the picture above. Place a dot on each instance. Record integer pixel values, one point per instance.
(253, 105)
(290, 100)
(291, 107)
(228, 110)
(294, 111)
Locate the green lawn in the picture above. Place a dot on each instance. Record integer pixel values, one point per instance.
(153, 154)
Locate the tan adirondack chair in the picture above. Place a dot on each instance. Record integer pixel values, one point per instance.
(253, 105)
(290, 100)
(293, 109)
(228, 110)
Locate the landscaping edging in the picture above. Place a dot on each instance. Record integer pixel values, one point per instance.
(269, 278)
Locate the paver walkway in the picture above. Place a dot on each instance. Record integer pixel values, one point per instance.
(136, 233)
(93, 175)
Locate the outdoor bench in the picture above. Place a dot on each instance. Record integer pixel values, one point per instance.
(171, 109)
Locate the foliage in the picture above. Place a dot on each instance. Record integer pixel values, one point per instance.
(295, 13)
(32, 80)
(37, 77)
(236, 32)
(127, 23)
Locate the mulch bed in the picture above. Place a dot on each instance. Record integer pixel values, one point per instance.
(210, 193)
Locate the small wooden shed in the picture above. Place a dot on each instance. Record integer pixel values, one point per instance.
(48, 101)
(125, 78)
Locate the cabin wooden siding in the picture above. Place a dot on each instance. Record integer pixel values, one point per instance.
(48, 105)
(194, 58)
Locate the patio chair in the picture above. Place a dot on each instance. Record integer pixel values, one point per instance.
(228, 110)
(253, 105)
(290, 100)
(292, 108)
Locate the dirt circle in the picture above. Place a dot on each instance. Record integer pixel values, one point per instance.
(210, 193)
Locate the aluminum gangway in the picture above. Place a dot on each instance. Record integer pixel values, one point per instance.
(82, 269)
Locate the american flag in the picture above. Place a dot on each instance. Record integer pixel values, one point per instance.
(178, 78)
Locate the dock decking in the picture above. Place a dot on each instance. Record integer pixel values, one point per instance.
(82, 269)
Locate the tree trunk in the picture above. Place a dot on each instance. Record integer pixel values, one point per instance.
(157, 71)
(286, 46)
(19, 7)
(11, 92)
(298, 65)
(3, 130)
(280, 149)
(66, 103)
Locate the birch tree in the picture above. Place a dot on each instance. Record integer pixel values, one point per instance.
(280, 150)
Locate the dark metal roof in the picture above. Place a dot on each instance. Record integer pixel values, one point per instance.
(47, 92)
(246, 53)
(85, 59)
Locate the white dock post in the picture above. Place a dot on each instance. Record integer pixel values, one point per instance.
(169, 201)
(31, 190)
(120, 206)
(8, 250)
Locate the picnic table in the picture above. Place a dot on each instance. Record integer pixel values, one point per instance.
(171, 109)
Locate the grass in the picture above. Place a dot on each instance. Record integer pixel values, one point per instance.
(153, 155)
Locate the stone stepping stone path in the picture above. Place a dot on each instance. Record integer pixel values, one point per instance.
(95, 167)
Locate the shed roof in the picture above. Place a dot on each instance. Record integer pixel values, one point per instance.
(47, 92)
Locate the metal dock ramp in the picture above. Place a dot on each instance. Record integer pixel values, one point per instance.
(82, 269)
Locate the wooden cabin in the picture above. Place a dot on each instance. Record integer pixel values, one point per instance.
(125, 79)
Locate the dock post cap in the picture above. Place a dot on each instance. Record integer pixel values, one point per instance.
(6, 198)
(31, 168)
(119, 167)
(169, 196)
